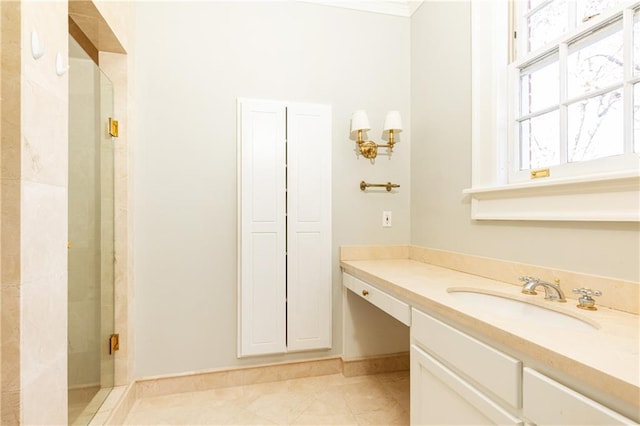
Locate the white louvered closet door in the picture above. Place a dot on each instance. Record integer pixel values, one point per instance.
(285, 227)
(262, 290)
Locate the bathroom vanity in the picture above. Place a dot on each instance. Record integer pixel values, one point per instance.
(483, 353)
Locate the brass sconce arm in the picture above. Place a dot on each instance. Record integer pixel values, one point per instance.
(369, 149)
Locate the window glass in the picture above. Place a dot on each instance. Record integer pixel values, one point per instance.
(573, 77)
(539, 141)
(539, 88)
(595, 127)
(636, 117)
(636, 44)
(532, 4)
(596, 63)
(547, 24)
(588, 8)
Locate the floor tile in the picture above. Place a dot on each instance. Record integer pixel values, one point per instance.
(381, 399)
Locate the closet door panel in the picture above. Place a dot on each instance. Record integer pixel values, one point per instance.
(307, 305)
(309, 226)
(264, 300)
(262, 180)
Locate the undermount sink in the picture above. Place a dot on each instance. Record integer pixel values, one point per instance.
(507, 306)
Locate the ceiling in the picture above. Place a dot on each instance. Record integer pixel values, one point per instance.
(390, 7)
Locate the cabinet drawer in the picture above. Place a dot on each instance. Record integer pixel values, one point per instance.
(439, 396)
(389, 304)
(495, 371)
(547, 402)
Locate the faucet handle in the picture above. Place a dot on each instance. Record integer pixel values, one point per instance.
(528, 279)
(586, 301)
(587, 292)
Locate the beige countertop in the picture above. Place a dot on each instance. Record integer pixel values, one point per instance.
(605, 357)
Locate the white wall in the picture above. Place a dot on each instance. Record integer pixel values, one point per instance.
(368, 331)
(193, 60)
(441, 167)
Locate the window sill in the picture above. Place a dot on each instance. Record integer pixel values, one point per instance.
(606, 197)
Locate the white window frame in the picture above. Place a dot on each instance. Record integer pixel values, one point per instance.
(592, 196)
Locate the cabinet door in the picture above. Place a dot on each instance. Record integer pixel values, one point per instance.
(308, 226)
(262, 286)
(440, 397)
(547, 402)
(496, 371)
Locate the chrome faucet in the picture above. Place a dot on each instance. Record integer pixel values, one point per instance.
(552, 291)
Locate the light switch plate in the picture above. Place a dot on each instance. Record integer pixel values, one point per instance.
(386, 219)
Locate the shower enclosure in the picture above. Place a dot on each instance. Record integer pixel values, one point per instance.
(91, 237)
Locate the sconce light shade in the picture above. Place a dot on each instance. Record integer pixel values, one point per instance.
(360, 124)
(393, 121)
(360, 121)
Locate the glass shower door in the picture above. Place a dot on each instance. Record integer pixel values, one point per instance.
(91, 237)
(107, 240)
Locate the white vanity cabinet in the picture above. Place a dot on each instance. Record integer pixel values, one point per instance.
(547, 402)
(456, 379)
(389, 304)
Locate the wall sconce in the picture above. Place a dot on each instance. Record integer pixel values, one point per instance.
(360, 124)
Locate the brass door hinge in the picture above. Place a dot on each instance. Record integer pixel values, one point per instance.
(113, 127)
(114, 343)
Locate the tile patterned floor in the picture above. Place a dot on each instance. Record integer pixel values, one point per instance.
(381, 399)
(78, 399)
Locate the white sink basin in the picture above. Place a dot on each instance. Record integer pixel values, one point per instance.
(507, 306)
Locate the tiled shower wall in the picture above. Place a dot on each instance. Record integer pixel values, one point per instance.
(34, 208)
(34, 157)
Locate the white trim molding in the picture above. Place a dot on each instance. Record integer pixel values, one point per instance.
(404, 8)
(611, 197)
